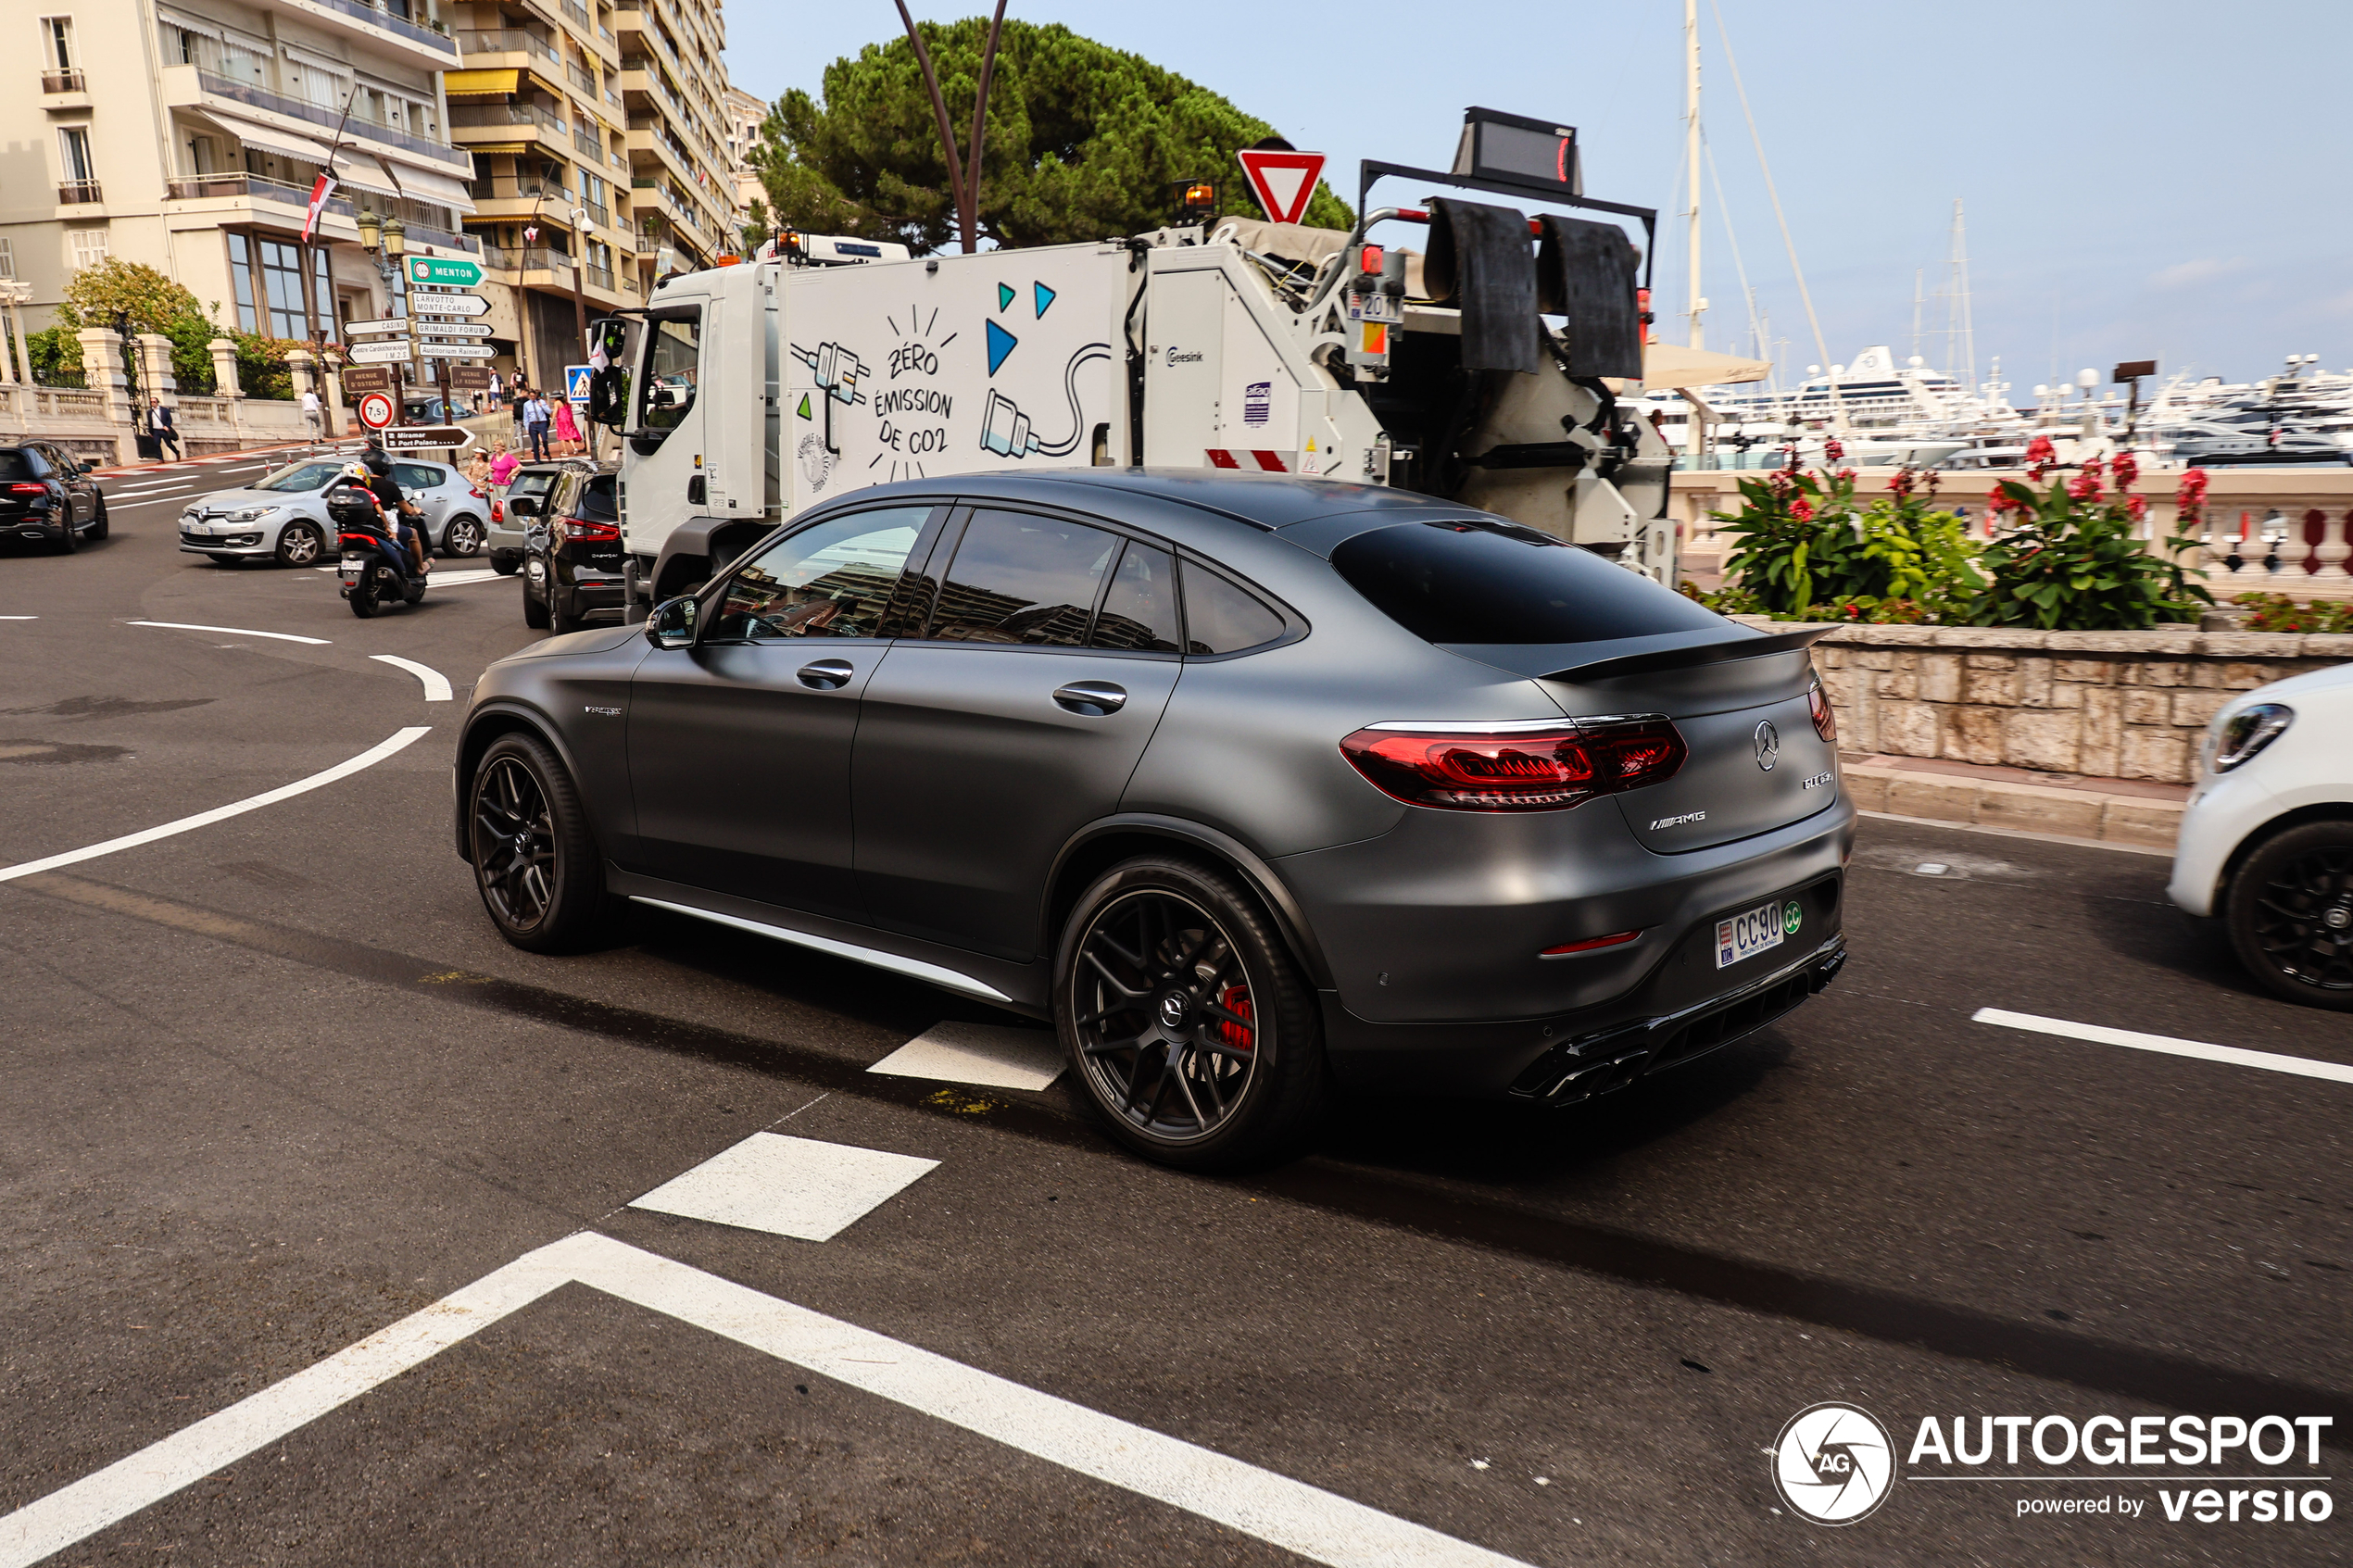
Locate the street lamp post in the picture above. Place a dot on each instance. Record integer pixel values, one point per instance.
(387, 241)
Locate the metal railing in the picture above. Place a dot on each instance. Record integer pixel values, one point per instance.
(597, 215)
(317, 114)
(600, 277)
(578, 16)
(473, 116)
(506, 40)
(580, 78)
(587, 143)
(78, 193)
(423, 234)
(259, 187)
(63, 81)
(379, 15)
(68, 381)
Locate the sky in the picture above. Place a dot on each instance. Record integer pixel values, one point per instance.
(2142, 179)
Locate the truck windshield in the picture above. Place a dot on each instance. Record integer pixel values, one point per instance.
(1473, 581)
(674, 355)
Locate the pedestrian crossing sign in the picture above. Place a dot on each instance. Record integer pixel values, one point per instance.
(576, 383)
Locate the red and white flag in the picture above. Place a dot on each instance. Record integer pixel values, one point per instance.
(320, 192)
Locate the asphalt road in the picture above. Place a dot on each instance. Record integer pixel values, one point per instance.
(272, 1084)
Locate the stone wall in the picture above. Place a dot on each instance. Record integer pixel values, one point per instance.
(2110, 704)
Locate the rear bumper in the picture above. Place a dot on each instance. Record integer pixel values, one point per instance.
(30, 526)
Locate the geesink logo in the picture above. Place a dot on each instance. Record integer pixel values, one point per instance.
(1833, 1463)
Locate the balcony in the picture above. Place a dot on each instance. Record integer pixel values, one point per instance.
(578, 16)
(601, 277)
(579, 77)
(63, 81)
(400, 27)
(506, 40)
(210, 86)
(79, 192)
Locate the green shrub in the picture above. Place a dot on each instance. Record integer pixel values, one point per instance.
(2072, 560)
(2277, 612)
(1805, 550)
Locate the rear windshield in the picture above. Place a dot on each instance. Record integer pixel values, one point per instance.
(1471, 581)
(535, 482)
(16, 463)
(596, 500)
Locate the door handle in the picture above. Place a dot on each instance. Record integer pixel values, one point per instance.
(826, 674)
(1093, 698)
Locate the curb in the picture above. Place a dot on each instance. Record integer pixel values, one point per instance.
(2067, 813)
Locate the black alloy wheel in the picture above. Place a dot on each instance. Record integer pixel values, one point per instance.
(299, 544)
(1183, 1015)
(2290, 914)
(464, 537)
(536, 863)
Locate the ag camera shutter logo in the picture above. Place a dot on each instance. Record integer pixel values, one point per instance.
(1833, 1463)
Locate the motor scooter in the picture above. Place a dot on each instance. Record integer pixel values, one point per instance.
(376, 567)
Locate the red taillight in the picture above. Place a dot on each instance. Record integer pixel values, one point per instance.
(591, 531)
(498, 511)
(1817, 704)
(1546, 767)
(28, 490)
(362, 541)
(1590, 946)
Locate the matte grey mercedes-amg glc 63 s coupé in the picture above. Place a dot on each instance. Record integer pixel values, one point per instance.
(1251, 784)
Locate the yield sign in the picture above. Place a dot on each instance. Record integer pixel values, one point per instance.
(1282, 182)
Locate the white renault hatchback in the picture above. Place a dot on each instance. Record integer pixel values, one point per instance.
(2267, 841)
(282, 516)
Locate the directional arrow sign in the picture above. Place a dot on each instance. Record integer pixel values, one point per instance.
(419, 438)
(457, 351)
(455, 271)
(389, 324)
(448, 305)
(377, 353)
(451, 329)
(1282, 180)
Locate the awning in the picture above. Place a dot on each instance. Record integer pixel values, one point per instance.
(432, 185)
(362, 172)
(480, 83)
(478, 148)
(1665, 367)
(254, 133)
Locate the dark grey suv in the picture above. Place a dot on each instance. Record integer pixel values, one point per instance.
(1249, 784)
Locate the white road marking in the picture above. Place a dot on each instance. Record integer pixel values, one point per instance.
(19, 617)
(231, 630)
(2020, 832)
(2302, 1066)
(436, 683)
(985, 1054)
(365, 760)
(787, 1186)
(1317, 1525)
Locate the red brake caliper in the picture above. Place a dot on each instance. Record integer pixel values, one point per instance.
(1236, 1001)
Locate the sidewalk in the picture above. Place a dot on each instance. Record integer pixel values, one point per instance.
(2132, 811)
(241, 455)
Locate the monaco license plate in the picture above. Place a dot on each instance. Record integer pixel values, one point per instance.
(1755, 931)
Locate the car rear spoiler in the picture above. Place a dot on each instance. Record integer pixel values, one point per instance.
(1685, 658)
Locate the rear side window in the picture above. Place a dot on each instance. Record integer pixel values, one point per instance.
(1484, 583)
(1222, 618)
(537, 483)
(597, 503)
(1023, 579)
(1139, 608)
(416, 476)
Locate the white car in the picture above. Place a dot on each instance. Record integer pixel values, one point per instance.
(2267, 841)
(282, 516)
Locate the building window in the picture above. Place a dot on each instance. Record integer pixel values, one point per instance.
(73, 147)
(267, 277)
(57, 42)
(86, 248)
(8, 257)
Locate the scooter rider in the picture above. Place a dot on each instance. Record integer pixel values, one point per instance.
(355, 478)
(397, 508)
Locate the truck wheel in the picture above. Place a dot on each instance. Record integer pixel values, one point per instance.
(1184, 1017)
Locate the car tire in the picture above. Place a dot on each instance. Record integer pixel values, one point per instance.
(299, 544)
(505, 564)
(99, 529)
(69, 538)
(1186, 1021)
(560, 619)
(2289, 912)
(537, 864)
(535, 610)
(462, 538)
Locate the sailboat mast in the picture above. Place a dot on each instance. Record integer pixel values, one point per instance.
(1692, 154)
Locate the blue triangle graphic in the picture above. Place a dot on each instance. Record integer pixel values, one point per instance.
(1004, 296)
(1001, 343)
(1045, 297)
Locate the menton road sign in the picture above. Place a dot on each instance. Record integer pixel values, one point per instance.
(452, 269)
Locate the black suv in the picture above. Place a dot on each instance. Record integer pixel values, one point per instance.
(48, 496)
(572, 553)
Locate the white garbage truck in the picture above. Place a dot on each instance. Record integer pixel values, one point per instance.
(1490, 367)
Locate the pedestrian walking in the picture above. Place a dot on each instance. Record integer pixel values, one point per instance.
(517, 395)
(312, 415)
(535, 415)
(159, 420)
(567, 427)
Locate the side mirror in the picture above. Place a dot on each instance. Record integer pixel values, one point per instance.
(85, 466)
(672, 625)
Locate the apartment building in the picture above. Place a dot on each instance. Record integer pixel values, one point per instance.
(188, 136)
(745, 116)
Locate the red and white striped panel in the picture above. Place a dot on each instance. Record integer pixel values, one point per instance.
(1253, 462)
